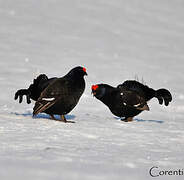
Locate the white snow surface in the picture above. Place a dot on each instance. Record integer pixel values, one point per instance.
(115, 40)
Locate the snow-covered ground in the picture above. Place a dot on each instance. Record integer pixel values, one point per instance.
(115, 40)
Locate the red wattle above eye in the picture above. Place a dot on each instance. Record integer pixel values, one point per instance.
(94, 87)
(84, 69)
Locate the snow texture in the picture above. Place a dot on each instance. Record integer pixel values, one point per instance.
(115, 40)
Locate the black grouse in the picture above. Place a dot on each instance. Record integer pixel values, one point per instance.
(130, 98)
(55, 95)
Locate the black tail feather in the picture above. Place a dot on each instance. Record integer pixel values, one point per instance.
(42, 78)
(20, 93)
(34, 90)
(163, 95)
(39, 84)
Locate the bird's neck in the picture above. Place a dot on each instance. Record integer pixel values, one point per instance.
(108, 97)
(78, 82)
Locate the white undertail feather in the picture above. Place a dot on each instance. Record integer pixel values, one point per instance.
(136, 105)
(48, 99)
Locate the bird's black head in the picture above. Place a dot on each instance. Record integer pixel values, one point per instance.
(78, 72)
(99, 90)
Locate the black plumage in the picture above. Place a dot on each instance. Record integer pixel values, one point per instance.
(56, 95)
(34, 91)
(130, 98)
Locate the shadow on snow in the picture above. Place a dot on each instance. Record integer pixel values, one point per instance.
(142, 120)
(42, 115)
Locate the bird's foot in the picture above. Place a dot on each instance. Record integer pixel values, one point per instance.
(63, 119)
(70, 122)
(129, 119)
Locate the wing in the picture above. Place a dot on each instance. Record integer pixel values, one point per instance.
(139, 88)
(39, 84)
(133, 100)
(52, 94)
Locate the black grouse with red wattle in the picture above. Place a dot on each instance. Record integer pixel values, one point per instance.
(130, 98)
(55, 96)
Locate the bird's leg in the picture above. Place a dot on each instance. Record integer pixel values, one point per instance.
(52, 116)
(127, 119)
(63, 119)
